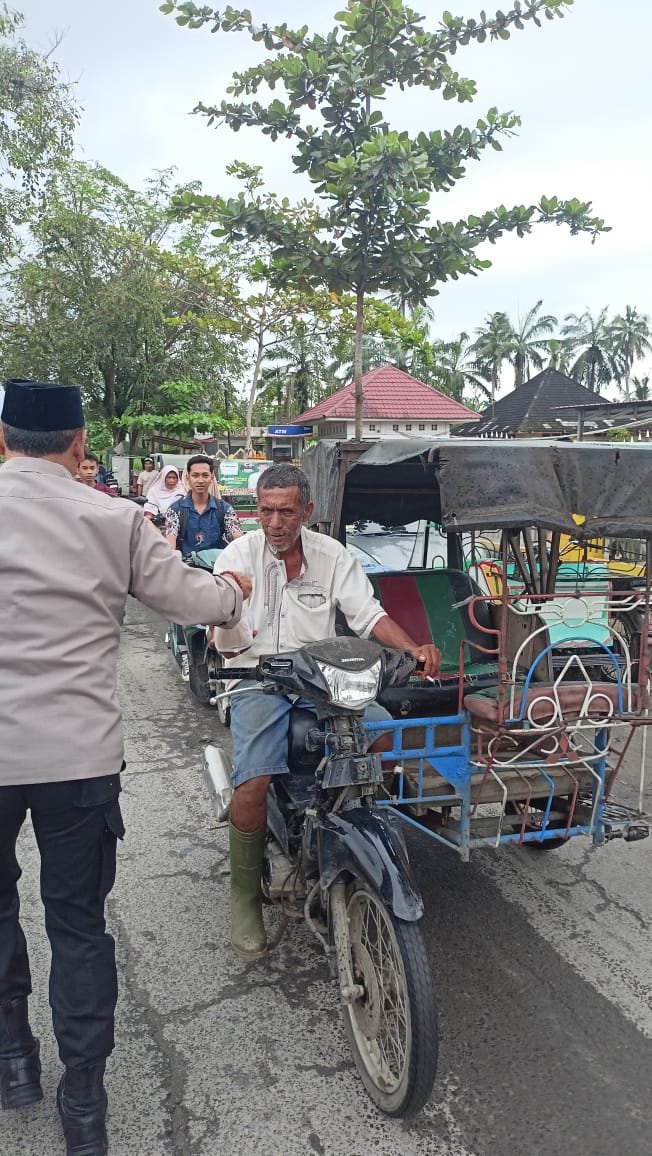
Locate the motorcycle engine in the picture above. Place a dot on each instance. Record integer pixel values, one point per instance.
(283, 881)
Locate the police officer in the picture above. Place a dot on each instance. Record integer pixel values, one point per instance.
(69, 557)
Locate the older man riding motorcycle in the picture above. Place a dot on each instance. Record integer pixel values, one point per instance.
(300, 579)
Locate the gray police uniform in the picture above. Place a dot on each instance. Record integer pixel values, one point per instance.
(69, 557)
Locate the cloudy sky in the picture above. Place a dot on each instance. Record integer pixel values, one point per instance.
(581, 86)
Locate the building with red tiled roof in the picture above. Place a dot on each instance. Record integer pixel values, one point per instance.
(394, 404)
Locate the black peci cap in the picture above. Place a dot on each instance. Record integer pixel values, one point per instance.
(42, 406)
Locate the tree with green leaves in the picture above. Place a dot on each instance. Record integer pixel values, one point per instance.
(593, 365)
(390, 337)
(295, 370)
(113, 296)
(641, 387)
(493, 346)
(37, 121)
(559, 354)
(529, 342)
(458, 372)
(631, 338)
(375, 185)
(273, 308)
(186, 414)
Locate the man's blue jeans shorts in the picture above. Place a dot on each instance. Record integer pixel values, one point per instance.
(259, 727)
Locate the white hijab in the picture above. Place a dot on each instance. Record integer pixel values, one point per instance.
(159, 498)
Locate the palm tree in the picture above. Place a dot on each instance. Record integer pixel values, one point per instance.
(492, 347)
(590, 335)
(456, 368)
(376, 351)
(559, 354)
(641, 387)
(295, 368)
(529, 340)
(409, 348)
(631, 338)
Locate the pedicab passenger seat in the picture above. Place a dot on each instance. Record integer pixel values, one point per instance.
(433, 606)
(546, 704)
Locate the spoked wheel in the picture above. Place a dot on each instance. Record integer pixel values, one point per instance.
(392, 1026)
(198, 677)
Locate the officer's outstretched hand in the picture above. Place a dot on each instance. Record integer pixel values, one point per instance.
(243, 582)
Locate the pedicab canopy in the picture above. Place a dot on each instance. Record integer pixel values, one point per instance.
(474, 483)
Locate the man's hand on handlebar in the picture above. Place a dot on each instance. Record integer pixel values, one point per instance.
(210, 642)
(429, 659)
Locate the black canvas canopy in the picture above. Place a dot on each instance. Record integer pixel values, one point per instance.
(468, 484)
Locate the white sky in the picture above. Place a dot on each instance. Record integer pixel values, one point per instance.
(581, 86)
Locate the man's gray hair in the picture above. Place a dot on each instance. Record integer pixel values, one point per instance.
(38, 443)
(284, 476)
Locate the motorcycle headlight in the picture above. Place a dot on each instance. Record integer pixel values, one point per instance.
(351, 688)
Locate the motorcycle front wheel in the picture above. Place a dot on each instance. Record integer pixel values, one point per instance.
(392, 1027)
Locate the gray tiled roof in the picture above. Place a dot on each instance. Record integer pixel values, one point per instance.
(531, 408)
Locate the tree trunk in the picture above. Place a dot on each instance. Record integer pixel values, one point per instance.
(254, 382)
(108, 377)
(357, 362)
(289, 397)
(627, 386)
(592, 376)
(495, 372)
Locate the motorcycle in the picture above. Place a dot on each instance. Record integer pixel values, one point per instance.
(338, 862)
(112, 484)
(189, 645)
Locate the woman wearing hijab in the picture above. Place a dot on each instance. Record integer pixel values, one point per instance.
(164, 490)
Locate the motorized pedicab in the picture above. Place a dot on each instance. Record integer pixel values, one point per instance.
(544, 674)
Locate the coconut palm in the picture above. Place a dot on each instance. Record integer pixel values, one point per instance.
(408, 348)
(641, 388)
(492, 347)
(376, 351)
(457, 369)
(589, 335)
(529, 341)
(559, 354)
(631, 338)
(296, 369)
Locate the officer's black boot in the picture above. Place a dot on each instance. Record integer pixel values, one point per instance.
(20, 1067)
(82, 1105)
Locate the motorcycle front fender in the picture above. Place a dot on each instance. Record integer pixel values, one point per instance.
(362, 843)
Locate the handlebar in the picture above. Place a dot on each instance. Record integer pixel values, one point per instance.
(282, 666)
(238, 673)
(267, 667)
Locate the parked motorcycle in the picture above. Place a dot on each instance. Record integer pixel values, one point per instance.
(339, 863)
(112, 484)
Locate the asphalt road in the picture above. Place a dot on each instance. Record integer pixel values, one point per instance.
(542, 965)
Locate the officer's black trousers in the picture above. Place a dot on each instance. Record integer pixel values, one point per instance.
(77, 824)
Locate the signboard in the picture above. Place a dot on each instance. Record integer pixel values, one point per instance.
(235, 473)
(289, 431)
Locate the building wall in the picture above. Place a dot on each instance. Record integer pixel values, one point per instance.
(374, 430)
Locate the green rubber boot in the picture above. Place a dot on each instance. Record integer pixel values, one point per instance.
(248, 938)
